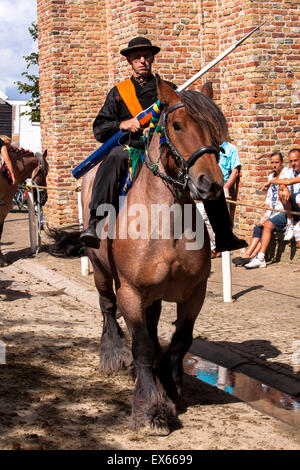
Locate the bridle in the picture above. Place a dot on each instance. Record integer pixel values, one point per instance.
(183, 175)
(41, 192)
(41, 166)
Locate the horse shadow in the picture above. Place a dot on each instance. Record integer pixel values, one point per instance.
(13, 256)
(46, 397)
(12, 294)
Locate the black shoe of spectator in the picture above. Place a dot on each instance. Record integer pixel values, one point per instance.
(240, 261)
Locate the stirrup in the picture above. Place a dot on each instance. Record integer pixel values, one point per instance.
(89, 238)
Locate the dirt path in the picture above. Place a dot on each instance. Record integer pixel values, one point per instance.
(52, 396)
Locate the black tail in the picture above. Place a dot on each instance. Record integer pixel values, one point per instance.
(66, 242)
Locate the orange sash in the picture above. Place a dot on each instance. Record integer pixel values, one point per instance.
(128, 95)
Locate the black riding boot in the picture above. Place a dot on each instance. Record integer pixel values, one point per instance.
(218, 215)
(105, 189)
(89, 236)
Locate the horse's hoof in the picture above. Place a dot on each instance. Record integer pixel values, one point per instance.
(112, 365)
(149, 430)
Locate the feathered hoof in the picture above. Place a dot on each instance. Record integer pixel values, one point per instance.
(116, 364)
(149, 430)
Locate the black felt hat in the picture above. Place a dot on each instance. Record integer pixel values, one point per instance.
(139, 43)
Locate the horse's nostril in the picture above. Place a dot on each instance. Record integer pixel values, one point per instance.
(215, 188)
(204, 181)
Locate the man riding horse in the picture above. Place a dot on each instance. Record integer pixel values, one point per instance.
(122, 104)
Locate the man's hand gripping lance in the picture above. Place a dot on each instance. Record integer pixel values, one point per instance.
(102, 151)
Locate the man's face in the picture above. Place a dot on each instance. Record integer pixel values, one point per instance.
(295, 161)
(141, 62)
(276, 163)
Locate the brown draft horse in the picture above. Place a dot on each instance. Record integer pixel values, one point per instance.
(26, 164)
(148, 270)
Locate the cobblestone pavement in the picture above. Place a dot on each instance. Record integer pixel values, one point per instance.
(261, 324)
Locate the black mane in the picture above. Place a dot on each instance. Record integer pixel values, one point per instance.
(208, 114)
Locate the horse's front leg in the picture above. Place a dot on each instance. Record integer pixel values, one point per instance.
(151, 408)
(171, 365)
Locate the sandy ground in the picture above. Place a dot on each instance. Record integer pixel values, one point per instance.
(53, 397)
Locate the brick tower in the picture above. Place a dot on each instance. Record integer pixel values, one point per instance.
(256, 86)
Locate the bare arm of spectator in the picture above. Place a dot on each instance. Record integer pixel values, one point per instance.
(285, 181)
(283, 193)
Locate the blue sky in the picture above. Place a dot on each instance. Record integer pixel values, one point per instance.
(15, 43)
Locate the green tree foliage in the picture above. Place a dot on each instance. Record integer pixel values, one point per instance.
(32, 87)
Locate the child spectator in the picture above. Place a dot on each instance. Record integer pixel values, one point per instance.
(272, 202)
(289, 177)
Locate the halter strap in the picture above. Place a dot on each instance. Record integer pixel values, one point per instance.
(196, 154)
(183, 176)
(199, 152)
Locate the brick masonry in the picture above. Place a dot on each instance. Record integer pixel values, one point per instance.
(257, 86)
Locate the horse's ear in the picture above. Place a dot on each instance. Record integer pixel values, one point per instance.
(165, 93)
(207, 90)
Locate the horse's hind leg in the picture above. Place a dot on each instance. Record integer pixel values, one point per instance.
(115, 354)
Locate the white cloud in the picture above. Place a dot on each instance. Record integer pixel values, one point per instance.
(15, 40)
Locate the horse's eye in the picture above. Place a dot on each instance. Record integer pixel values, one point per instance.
(176, 126)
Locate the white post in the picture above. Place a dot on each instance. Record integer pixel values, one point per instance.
(32, 220)
(226, 272)
(85, 266)
(226, 267)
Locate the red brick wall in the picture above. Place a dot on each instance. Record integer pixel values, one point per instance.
(256, 86)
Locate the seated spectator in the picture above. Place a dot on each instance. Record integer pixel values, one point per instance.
(272, 202)
(292, 182)
(279, 221)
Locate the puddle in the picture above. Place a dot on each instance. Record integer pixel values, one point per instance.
(260, 396)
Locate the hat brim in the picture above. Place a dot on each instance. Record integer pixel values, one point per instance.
(126, 51)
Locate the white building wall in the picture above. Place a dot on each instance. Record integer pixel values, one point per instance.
(29, 132)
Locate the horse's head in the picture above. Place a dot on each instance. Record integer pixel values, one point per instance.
(27, 164)
(194, 128)
(39, 177)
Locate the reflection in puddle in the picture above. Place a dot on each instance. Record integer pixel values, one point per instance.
(261, 396)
